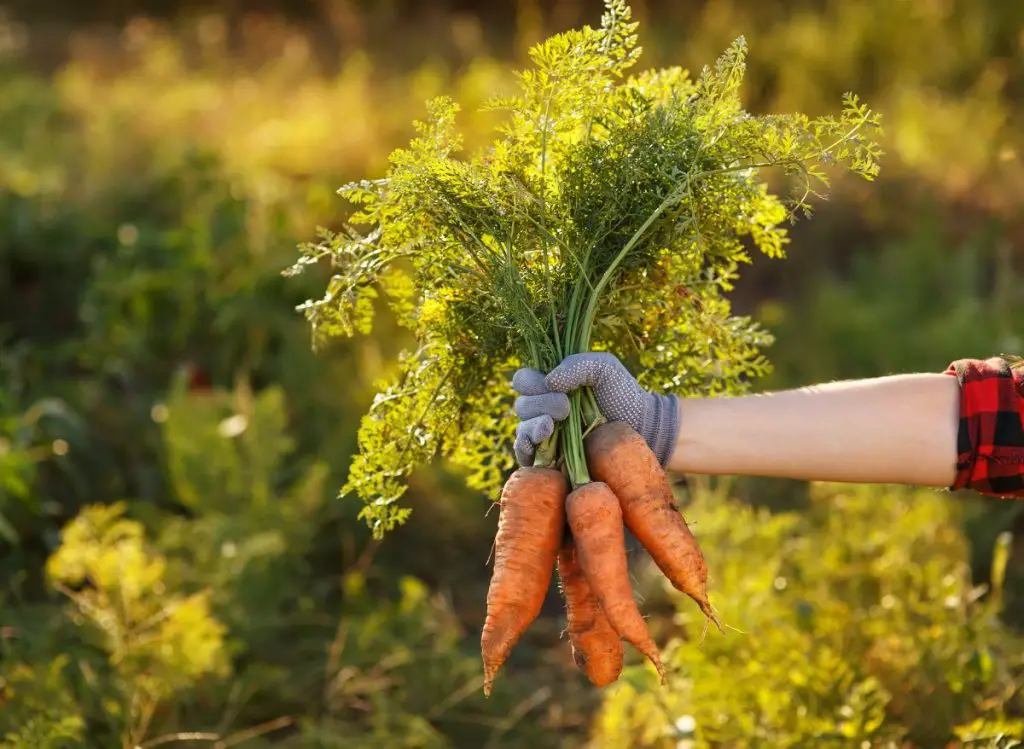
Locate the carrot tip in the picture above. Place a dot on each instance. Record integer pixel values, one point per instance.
(652, 654)
(718, 623)
(662, 675)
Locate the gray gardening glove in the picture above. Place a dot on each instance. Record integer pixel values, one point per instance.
(542, 401)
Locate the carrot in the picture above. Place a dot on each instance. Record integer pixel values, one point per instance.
(596, 522)
(618, 456)
(530, 528)
(596, 647)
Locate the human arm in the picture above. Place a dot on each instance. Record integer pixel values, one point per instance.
(894, 429)
(961, 428)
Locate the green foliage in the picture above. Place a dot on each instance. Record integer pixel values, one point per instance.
(602, 189)
(252, 518)
(922, 299)
(158, 644)
(946, 75)
(218, 605)
(18, 457)
(859, 627)
(216, 620)
(400, 664)
(40, 711)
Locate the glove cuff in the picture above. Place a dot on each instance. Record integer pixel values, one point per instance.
(660, 425)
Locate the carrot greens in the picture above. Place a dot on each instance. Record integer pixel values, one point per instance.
(611, 211)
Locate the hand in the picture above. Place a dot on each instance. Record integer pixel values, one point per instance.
(542, 401)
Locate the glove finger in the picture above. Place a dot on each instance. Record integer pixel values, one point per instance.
(552, 405)
(529, 434)
(537, 429)
(581, 370)
(528, 381)
(524, 450)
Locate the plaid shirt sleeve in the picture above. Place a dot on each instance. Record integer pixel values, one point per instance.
(990, 438)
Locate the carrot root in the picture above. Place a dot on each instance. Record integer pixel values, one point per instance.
(596, 647)
(595, 518)
(619, 457)
(531, 524)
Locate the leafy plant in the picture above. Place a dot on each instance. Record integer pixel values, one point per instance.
(39, 707)
(253, 517)
(158, 644)
(611, 212)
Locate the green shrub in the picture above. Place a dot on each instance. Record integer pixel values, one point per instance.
(212, 620)
(118, 280)
(39, 707)
(915, 302)
(860, 627)
(158, 642)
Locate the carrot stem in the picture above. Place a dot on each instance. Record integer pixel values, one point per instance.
(575, 457)
(594, 425)
(547, 452)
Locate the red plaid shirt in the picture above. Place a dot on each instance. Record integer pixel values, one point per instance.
(990, 440)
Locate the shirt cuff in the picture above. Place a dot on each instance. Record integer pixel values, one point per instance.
(990, 435)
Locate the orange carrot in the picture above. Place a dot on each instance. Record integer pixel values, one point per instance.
(618, 456)
(596, 522)
(596, 647)
(530, 528)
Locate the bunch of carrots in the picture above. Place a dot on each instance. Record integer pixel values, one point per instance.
(631, 491)
(610, 213)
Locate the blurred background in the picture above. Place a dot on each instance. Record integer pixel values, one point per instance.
(167, 434)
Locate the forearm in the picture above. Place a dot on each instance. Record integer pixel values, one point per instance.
(898, 429)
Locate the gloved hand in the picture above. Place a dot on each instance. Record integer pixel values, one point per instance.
(542, 401)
